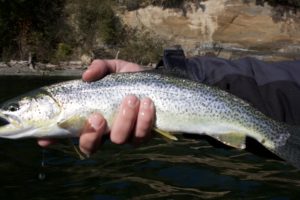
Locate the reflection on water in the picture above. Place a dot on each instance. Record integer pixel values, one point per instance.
(188, 168)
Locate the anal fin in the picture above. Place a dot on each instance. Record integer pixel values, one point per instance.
(236, 140)
(165, 134)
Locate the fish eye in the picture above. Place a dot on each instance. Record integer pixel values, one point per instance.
(12, 107)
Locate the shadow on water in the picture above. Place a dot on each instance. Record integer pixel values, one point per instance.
(190, 168)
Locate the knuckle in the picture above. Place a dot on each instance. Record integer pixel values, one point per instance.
(97, 62)
(143, 129)
(146, 119)
(127, 113)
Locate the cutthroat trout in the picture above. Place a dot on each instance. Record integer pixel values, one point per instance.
(182, 105)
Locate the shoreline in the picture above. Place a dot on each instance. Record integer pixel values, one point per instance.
(41, 73)
(74, 69)
(23, 68)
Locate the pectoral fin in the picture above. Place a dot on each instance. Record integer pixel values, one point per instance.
(74, 122)
(236, 140)
(165, 134)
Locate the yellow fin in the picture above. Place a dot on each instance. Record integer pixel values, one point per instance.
(81, 155)
(236, 140)
(75, 120)
(166, 134)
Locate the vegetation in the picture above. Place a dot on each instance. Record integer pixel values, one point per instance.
(293, 3)
(29, 26)
(133, 5)
(59, 30)
(96, 19)
(142, 47)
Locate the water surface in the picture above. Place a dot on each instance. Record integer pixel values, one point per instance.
(187, 169)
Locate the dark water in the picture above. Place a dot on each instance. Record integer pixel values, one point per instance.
(187, 169)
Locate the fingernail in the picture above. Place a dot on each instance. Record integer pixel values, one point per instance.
(85, 74)
(87, 71)
(95, 122)
(147, 103)
(132, 101)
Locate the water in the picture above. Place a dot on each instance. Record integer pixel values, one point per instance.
(187, 169)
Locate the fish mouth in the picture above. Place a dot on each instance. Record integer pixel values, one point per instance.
(3, 121)
(11, 127)
(7, 119)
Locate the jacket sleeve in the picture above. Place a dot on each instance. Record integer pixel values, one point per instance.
(271, 87)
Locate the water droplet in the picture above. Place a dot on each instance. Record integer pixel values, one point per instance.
(42, 176)
(42, 164)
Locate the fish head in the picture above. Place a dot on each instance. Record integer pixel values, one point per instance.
(26, 115)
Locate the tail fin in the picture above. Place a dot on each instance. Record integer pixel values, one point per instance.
(290, 151)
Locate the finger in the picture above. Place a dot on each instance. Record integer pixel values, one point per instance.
(125, 120)
(144, 121)
(45, 142)
(123, 66)
(90, 138)
(97, 70)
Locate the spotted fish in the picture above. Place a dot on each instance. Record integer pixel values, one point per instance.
(182, 105)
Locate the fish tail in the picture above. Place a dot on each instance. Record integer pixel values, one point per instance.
(290, 151)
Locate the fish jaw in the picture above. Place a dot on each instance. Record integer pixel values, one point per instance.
(11, 127)
(9, 131)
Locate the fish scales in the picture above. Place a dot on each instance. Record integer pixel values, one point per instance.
(176, 98)
(181, 106)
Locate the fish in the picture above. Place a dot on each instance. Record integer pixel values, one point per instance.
(182, 106)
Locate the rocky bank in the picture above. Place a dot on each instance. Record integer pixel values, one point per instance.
(234, 26)
(224, 28)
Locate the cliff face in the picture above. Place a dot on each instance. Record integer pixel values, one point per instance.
(184, 26)
(71, 29)
(227, 24)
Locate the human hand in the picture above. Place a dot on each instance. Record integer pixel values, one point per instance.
(133, 121)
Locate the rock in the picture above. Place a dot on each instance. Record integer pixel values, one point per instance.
(18, 64)
(3, 65)
(270, 31)
(254, 27)
(86, 59)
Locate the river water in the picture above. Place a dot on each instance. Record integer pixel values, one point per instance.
(187, 169)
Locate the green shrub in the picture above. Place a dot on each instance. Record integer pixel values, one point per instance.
(142, 47)
(63, 52)
(21, 20)
(97, 19)
(293, 3)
